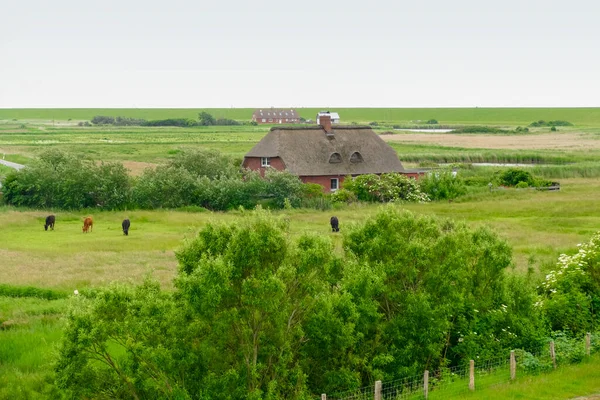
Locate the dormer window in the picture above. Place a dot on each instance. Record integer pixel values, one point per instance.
(335, 158)
(356, 157)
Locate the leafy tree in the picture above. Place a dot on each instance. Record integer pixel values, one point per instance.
(422, 302)
(209, 163)
(252, 289)
(206, 119)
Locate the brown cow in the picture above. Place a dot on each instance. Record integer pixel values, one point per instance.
(88, 223)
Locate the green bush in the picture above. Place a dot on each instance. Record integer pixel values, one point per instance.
(522, 185)
(59, 180)
(343, 196)
(512, 176)
(442, 185)
(385, 188)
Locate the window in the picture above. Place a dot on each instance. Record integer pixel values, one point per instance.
(356, 157)
(335, 158)
(264, 120)
(335, 184)
(265, 162)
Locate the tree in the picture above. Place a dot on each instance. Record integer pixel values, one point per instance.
(206, 119)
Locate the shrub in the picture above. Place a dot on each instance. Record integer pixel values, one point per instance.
(103, 120)
(512, 176)
(59, 180)
(553, 128)
(570, 294)
(385, 188)
(181, 122)
(479, 129)
(343, 196)
(442, 185)
(432, 122)
(522, 185)
(550, 123)
(374, 123)
(226, 122)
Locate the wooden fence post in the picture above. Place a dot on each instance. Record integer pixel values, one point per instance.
(426, 384)
(553, 353)
(323, 396)
(471, 375)
(513, 365)
(588, 343)
(377, 390)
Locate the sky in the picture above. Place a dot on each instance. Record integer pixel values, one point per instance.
(208, 53)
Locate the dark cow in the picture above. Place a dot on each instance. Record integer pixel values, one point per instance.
(335, 224)
(88, 223)
(126, 224)
(50, 219)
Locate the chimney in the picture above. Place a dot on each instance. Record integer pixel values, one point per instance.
(325, 121)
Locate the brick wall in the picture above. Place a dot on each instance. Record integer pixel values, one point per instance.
(254, 164)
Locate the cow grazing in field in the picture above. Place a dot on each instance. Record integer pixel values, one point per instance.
(126, 224)
(335, 224)
(50, 219)
(88, 223)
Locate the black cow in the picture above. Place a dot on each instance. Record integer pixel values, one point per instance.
(50, 219)
(126, 224)
(335, 224)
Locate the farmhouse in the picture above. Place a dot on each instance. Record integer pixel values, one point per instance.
(276, 115)
(335, 117)
(324, 154)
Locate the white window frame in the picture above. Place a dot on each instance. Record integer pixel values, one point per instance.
(265, 162)
(264, 120)
(337, 184)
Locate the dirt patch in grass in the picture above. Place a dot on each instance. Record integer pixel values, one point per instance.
(137, 167)
(548, 141)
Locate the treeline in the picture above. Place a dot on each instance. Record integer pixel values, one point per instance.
(541, 122)
(260, 314)
(204, 119)
(193, 178)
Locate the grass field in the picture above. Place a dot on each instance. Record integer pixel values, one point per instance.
(494, 116)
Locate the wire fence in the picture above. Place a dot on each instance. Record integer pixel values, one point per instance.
(480, 374)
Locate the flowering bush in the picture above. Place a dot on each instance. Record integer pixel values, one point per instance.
(385, 188)
(570, 294)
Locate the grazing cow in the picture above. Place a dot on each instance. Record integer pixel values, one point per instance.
(335, 224)
(49, 222)
(126, 224)
(88, 223)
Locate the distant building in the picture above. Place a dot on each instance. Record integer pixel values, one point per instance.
(335, 117)
(276, 116)
(325, 154)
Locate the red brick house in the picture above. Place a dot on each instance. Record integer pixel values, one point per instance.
(325, 153)
(276, 116)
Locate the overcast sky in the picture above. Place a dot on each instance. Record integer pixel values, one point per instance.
(220, 53)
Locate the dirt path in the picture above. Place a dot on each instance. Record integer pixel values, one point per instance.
(550, 141)
(12, 164)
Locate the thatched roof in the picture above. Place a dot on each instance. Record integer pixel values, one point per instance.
(307, 151)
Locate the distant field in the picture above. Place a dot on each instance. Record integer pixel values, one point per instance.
(584, 117)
